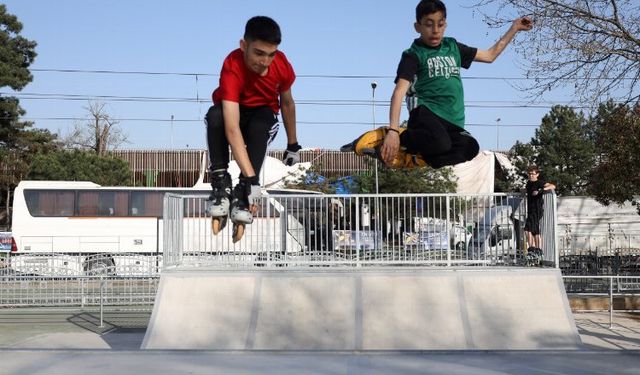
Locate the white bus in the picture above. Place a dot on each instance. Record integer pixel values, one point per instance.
(87, 228)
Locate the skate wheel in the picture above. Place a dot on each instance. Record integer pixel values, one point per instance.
(218, 224)
(238, 232)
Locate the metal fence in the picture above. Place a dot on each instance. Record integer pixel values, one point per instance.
(360, 230)
(597, 285)
(602, 243)
(20, 290)
(596, 288)
(54, 280)
(613, 251)
(622, 261)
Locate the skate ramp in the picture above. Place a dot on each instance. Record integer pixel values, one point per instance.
(361, 309)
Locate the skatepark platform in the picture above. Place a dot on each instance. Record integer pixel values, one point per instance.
(362, 309)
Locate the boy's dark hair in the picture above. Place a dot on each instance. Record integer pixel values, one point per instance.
(533, 168)
(426, 7)
(262, 28)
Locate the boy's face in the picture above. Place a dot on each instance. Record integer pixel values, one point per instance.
(533, 175)
(431, 28)
(258, 55)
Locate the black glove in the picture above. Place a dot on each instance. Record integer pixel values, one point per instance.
(291, 155)
(252, 189)
(253, 180)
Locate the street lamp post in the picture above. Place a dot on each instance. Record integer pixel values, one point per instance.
(498, 134)
(172, 132)
(373, 116)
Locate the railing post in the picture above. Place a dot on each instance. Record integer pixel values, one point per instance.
(610, 301)
(283, 231)
(82, 296)
(101, 301)
(172, 228)
(357, 229)
(449, 229)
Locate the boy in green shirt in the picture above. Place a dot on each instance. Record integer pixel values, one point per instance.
(429, 76)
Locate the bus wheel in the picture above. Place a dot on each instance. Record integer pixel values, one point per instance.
(100, 266)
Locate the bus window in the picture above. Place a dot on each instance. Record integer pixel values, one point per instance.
(103, 203)
(88, 204)
(50, 203)
(121, 203)
(146, 203)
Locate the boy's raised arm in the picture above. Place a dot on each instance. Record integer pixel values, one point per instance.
(489, 56)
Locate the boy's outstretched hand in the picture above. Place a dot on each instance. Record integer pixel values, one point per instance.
(523, 24)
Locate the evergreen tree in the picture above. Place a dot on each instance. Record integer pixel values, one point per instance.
(80, 166)
(616, 177)
(18, 141)
(564, 150)
(417, 180)
(521, 155)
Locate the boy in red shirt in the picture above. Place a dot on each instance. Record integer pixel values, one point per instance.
(255, 84)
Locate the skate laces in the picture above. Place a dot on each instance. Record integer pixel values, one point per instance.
(240, 195)
(221, 184)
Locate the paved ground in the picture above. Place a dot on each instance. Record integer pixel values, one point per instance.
(296, 363)
(597, 334)
(46, 328)
(46, 341)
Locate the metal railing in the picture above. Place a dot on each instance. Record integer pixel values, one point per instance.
(55, 265)
(359, 230)
(128, 293)
(609, 286)
(605, 254)
(65, 280)
(18, 290)
(598, 243)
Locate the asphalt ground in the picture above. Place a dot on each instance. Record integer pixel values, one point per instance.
(72, 341)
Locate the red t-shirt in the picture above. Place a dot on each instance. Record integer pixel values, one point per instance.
(241, 85)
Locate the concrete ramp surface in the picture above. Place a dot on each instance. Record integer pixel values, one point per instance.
(361, 309)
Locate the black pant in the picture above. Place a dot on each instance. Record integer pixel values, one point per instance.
(257, 125)
(439, 142)
(532, 224)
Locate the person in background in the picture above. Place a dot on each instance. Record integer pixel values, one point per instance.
(535, 188)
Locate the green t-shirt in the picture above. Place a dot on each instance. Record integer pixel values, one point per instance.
(434, 73)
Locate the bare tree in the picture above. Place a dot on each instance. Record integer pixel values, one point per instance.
(100, 133)
(591, 46)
